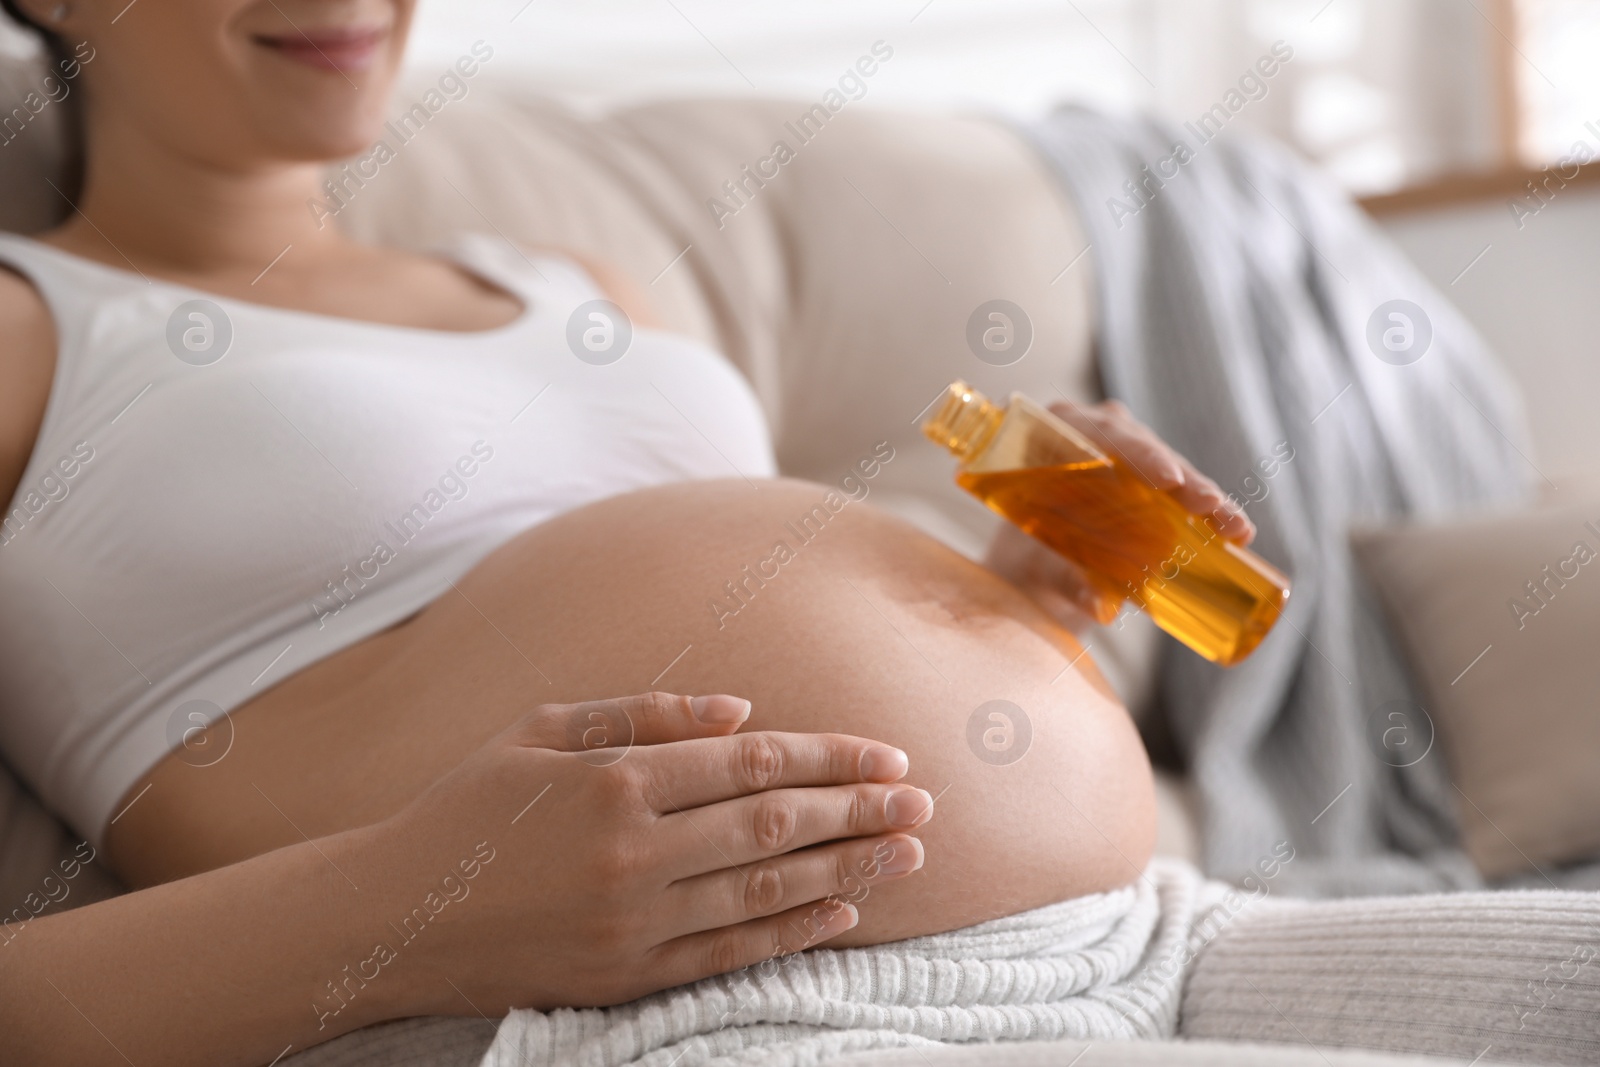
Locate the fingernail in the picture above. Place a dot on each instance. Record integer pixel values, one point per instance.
(883, 764)
(720, 709)
(908, 807)
(1096, 607)
(904, 857)
(839, 921)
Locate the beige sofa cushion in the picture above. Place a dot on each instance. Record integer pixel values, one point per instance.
(1501, 621)
(840, 287)
(842, 290)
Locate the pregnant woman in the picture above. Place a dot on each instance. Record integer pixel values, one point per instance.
(328, 572)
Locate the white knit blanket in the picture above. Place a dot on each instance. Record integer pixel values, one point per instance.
(1104, 966)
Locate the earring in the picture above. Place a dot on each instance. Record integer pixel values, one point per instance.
(59, 13)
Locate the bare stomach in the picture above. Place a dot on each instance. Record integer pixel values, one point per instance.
(868, 627)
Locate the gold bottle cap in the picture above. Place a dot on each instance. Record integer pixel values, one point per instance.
(962, 419)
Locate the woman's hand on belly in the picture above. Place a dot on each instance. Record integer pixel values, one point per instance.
(590, 854)
(870, 628)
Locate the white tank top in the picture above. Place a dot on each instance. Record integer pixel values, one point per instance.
(223, 493)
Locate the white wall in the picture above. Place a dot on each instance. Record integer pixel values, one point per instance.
(1381, 91)
(1018, 55)
(1535, 295)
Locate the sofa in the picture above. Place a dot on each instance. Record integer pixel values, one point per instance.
(841, 288)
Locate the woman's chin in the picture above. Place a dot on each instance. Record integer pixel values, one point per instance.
(335, 123)
(330, 142)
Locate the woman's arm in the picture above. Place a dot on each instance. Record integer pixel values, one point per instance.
(221, 968)
(591, 854)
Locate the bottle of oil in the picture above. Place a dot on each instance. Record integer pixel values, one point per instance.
(1134, 541)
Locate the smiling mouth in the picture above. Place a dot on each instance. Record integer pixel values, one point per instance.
(334, 50)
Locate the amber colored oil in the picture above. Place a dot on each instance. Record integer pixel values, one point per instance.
(1132, 540)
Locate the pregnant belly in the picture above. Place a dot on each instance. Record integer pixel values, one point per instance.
(846, 621)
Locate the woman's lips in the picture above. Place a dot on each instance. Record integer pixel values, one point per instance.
(339, 50)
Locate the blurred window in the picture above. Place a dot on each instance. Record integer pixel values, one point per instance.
(1386, 94)
(1557, 79)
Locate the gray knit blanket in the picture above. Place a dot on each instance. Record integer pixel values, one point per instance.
(1099, 967)
(1245, 313)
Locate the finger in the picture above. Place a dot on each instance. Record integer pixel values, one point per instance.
(753, 828)
(1113, 430)
(845, 869)
(695, 956)
(1111, 426)
(1063, 588)
(1161, 465)
(609, 727)
(1078, 416)
(1068, 613)
(1203, 497)
(690, 774)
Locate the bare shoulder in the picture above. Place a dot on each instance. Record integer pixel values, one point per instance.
(620, 287)
(27, 365)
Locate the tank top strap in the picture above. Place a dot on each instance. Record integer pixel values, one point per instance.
(73, 289)
(543, 279)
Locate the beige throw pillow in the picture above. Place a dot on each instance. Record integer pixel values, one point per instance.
(1501, 617)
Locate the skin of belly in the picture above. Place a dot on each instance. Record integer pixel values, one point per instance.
(870, 628)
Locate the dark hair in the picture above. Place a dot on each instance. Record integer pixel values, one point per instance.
(53, 42)
(61, 58)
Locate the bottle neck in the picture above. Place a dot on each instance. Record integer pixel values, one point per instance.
(963, 420)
